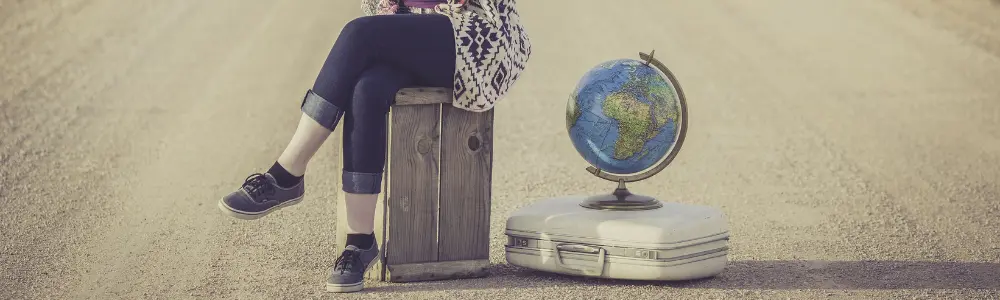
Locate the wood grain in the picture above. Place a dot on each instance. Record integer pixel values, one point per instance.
(413, 190)
(435, 219)
(423, 95)
(466, 176)
(438, 270)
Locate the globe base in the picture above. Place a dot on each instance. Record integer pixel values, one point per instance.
(621, 199)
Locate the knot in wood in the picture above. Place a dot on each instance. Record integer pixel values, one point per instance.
(424, 145)
(474, 143)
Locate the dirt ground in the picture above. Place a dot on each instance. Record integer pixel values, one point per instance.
(853, 144)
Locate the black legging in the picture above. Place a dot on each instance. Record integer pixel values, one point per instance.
(373, 58)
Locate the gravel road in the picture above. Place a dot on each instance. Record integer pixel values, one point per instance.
(853, 144)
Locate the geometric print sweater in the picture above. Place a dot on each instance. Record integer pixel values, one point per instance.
(492, 45)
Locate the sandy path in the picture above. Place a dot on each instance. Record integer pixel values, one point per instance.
(855, 146)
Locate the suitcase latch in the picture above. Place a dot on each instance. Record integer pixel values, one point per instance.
(646, 254)
(519, 242)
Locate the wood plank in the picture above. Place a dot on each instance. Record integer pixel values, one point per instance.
(423, 95)
(413, 185)
(438, 270)
(466, 177)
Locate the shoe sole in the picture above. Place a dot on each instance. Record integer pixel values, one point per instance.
(353, 287)
(242, 215)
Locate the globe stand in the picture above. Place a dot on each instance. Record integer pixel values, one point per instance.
(621, 199)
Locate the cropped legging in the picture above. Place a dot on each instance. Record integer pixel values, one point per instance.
(372, 59)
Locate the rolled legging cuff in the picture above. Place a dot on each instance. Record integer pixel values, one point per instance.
(321, 110)
(362, 183)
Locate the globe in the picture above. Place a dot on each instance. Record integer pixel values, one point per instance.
(625, 116)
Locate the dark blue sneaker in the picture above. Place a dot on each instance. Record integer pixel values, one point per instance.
(349, 269)
(259, 196)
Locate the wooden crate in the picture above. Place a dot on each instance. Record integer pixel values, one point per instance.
(433, 222)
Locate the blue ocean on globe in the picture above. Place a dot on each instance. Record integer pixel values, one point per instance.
(622, 116)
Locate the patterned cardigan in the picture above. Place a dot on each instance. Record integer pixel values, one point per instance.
(492, 45)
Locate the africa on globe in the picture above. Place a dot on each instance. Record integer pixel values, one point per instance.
(625, 116)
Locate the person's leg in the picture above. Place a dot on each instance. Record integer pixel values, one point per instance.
(365, 133)
(306, 141)
(410, 42)
(414, 50)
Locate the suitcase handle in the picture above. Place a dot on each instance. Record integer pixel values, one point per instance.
(582, 249)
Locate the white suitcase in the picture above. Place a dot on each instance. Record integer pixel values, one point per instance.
(674, 242)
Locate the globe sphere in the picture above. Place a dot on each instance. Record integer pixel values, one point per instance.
(623, 116)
